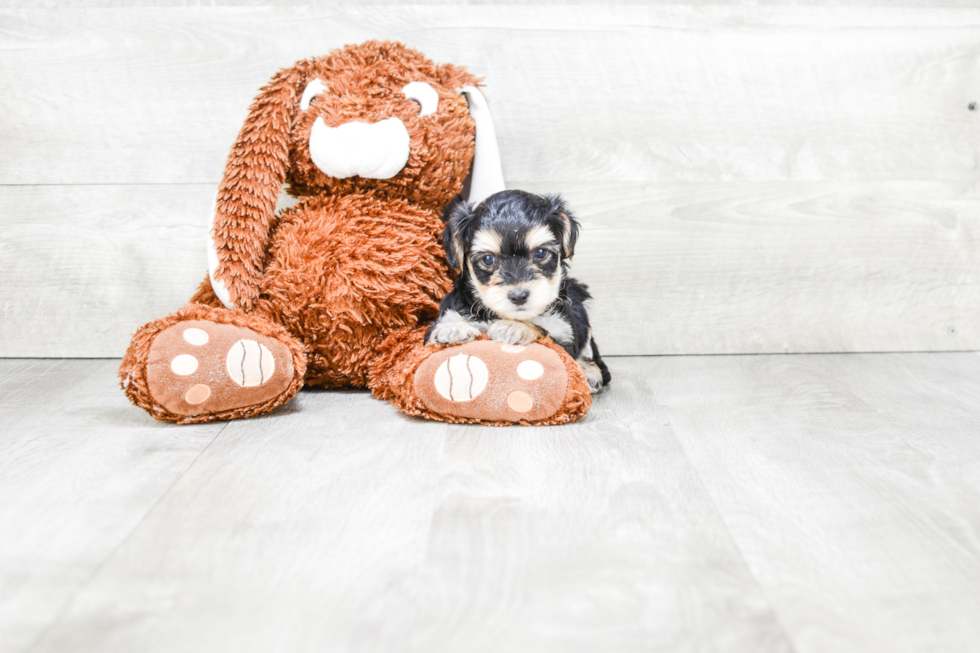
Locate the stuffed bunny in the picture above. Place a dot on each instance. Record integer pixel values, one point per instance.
(374, 140)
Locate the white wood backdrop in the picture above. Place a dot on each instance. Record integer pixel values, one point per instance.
(751, 179)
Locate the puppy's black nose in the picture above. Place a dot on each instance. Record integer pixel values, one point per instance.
(518, 297)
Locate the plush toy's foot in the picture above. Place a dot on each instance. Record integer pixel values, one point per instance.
(486, 380)
(483, 381)
(192, 370)
(200, 367)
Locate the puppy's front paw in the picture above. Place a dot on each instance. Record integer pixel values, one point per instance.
(454, 333)
(513, 332)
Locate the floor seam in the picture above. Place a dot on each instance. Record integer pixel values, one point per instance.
(741, 554)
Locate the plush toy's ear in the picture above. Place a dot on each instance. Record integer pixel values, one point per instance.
(486, 176)
(456, 236)
(247, 195)
(564, 224)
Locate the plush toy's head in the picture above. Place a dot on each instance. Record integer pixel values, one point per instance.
(381, 118)
(376, 118)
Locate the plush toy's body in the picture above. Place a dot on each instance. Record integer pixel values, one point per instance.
(337, 290)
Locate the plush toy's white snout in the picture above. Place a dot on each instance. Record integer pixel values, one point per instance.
(375, 151)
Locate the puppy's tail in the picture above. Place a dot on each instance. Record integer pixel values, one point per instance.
(597, 359)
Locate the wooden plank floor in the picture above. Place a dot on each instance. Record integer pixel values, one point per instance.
(729, 503)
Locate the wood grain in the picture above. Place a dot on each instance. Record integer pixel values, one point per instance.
(752, 179)
(623, 93)
(339, 524)
(780, 267)
(61, 4)
(850, 483)
(84, 266)
(739, 503)
(79, 470)
(674, 268)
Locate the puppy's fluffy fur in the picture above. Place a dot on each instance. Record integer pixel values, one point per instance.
(512, 253)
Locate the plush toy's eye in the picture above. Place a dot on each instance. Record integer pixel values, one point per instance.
(541, 253)
(424, 95)
(314, 88)
(488, 260)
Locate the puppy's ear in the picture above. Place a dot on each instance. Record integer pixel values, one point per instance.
(256, 169)
(564, 224)
(458, 233)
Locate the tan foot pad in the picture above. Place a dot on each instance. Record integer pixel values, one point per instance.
(198, 367)
(493, 382)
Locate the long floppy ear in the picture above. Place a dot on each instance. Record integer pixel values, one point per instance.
(458, 233)
(243, 209)
(486, 176)
(564, 223)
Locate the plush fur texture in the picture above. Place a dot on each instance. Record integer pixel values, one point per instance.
(350, 277)
(364, 85)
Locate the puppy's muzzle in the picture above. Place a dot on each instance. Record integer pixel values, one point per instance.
(518, 297)
(375, 151)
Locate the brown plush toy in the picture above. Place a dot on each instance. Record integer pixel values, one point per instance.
(337, 291)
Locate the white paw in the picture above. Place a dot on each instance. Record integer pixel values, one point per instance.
(592, 374)
(513, 332)
(453, 333)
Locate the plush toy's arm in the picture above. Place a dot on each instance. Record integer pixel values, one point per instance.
(249, 189)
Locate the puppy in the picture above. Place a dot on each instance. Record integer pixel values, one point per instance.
(512, 253)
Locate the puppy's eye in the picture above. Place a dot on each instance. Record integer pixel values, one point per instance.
(488, 260)
(423, 95)
(541, 253)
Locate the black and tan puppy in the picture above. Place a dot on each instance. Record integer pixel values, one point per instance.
(512, 253)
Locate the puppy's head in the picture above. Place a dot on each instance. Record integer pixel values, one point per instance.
(513, 249)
